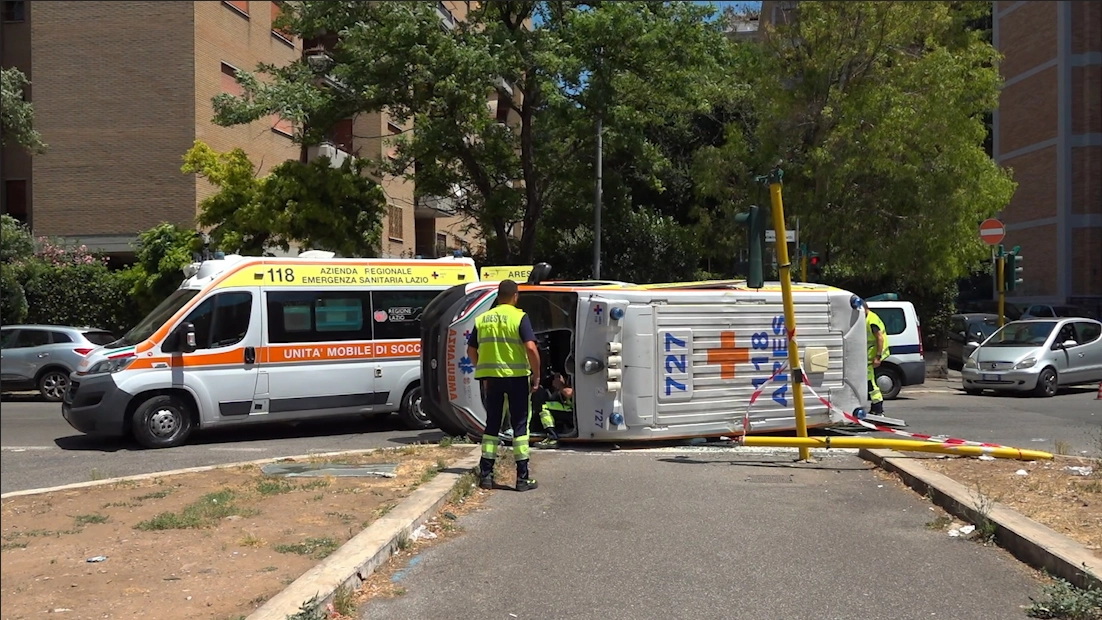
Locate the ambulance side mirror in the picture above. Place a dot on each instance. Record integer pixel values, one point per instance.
(183, 339)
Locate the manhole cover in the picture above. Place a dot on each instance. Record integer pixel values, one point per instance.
(337, 470)
(768, 478)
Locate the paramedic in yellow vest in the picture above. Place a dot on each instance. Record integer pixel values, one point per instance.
(502, 346)
(878, 351)
(559, 398)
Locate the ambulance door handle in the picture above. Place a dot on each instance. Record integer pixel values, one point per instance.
(250, 355)
(378, 372)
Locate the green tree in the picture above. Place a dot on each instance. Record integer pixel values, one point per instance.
(312, 205)
(16, 113)
(631, 63)
(877, 111)
(13, 302)
(161, 254)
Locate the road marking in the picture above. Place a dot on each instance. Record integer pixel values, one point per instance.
(232, 449)
(934, 391)
(27, 448)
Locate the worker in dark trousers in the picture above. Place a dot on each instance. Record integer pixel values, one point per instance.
(502, 346)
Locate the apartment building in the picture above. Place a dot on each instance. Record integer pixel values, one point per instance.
(121, 90)
(1048, 130)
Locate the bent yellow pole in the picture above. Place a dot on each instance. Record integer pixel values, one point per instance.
(785, 267)
(905, 445)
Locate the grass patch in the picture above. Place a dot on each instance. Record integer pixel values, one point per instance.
(163, 493)
(403, 542)
(316, 548)
(1063, 601)
(344, 517)
(343, 601)
(321, 483)
(251, 540)
(90, 519)
(463, 488)
(274, 487)
(122, 504)
(939, 523)
(985, 528)
(203, 513)
(8, 546)
(269, 569)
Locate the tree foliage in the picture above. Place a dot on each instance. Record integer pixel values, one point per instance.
(877, 110)
(16, 113)
(160, 256)
(313, 205)
(639, 65)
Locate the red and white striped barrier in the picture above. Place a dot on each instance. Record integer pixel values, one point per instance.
(939, 439)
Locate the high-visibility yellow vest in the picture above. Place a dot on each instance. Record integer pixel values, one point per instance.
(871, 320)
(501, 352)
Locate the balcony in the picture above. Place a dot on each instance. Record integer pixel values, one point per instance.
(336, 156)
(431, 207)
(446, 17)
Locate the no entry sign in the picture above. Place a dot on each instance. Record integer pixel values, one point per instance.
(992, 231)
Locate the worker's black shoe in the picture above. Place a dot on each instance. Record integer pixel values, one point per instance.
(486, 482)
(526, 484)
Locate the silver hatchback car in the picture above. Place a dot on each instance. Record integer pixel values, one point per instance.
(41, 357)
(1036, 355)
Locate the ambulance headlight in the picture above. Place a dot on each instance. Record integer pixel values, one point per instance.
(108, 366)
(591, 366)
(616, 314)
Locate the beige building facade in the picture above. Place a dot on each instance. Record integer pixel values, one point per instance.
(121, 90)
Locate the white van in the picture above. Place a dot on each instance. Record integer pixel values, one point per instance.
(248, 339)
(906, 365)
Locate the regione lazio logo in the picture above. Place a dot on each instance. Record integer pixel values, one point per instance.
(727, 355)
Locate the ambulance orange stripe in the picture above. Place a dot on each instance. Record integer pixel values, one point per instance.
(291, 353)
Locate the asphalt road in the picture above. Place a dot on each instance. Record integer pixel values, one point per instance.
(1068, 423)
(40, 449)
(704, 535)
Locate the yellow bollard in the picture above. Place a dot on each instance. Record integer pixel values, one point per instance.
(789, 309)
(904, 445)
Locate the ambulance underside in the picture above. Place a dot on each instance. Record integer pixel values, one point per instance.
(683, 363)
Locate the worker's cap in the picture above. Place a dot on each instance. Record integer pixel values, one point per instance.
(856, 302)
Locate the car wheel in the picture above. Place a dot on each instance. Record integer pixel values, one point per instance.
(163, 421)
(1047, 383)
(413, 416)
(52, 385)
(973, 392)
(887, 379)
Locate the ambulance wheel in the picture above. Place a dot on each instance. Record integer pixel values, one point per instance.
(162, 421)
(413, 416)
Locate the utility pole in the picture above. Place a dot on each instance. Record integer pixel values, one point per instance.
(597, 204)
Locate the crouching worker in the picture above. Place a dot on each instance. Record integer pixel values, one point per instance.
(560, 398)
(502, 346)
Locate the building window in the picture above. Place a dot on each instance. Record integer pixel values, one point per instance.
(394, 222)
(229, 81)
(341, 135)
(281, 34)
(392, 142)
(282, 126)
(238, 7)
(14, 11)
(15, 199)
(441, 244)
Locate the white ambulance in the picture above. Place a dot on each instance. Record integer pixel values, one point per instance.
(657, 362)
(248, 339)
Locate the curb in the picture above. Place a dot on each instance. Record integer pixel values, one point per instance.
(1031, 542)
(188, 470)
(356, 559)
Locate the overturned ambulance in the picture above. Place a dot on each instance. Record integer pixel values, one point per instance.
(659, 361)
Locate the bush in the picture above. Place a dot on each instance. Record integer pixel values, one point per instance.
(16, 242)
(80, 295)
(13, 303)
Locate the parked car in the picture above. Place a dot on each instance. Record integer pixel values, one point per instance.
(1011, 311)
(1038, 355)
(906, 365)
(1044, 311)
(41, 357)
(966, 332)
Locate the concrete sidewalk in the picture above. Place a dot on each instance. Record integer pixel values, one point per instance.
(708, 533)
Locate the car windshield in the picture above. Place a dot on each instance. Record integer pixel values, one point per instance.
(985, 328)
(1032, 333)
(154, 320)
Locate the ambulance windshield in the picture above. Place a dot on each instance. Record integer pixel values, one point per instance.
(155, 319)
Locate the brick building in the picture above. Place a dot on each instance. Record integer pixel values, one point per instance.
(121, 90)
(1048, 130)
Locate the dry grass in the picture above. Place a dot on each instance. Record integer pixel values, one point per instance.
(1049, 493)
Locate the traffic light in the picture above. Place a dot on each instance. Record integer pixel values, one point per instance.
(815, 265)
(1013, 269)
(755, 222)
